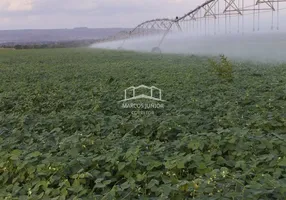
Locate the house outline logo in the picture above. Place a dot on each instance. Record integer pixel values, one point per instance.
(142, 96)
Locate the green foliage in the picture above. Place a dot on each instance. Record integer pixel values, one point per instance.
(64, 136)
(223, 68)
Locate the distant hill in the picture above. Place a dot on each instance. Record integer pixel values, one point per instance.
(40, 35)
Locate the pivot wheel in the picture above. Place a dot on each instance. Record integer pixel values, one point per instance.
(156, 50)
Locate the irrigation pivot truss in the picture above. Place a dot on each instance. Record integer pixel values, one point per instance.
(211, 17)
(153, 27)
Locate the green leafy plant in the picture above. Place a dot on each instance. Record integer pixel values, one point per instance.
(223, 68)
(64, 136)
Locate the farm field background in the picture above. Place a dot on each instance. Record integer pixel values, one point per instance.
(63, 134)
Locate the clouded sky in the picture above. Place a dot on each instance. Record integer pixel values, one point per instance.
(48, 14)
(38, 14)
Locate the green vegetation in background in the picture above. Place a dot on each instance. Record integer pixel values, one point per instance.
(63, 134)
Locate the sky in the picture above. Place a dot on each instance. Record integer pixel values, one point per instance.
(54, 14)
(48, 14)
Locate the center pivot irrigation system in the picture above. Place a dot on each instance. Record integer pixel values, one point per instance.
(211, 17)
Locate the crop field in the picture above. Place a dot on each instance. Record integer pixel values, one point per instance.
(64, 134)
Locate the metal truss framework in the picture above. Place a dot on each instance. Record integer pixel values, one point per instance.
(152, 27)
(225, 10)
(211, 10)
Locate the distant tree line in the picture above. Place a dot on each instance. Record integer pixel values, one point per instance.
(55, 44)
